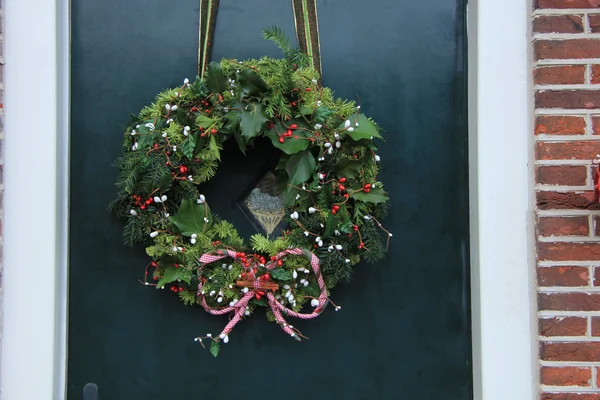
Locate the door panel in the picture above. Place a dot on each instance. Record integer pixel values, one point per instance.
(403, 332)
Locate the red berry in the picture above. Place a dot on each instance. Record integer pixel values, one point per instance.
(367, 190)
(257, 296)
(355, 227)
(168, 163)
(308, 89)
(342, 180)
(281, 139)
(148, 201)
(368, 186)
(273, 258)
(346, 195)
(261, 293)
(154, 264)
(312, 139)
(334, 211)
(289, 132)
(293, 104)
(143, 206)
(296, 137)
(267, 276)
(293, 126)
(213, 131)
(341, 187)
(279, 262)
(183, 169)
(336, 207)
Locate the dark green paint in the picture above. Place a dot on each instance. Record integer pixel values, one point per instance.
(403, 332)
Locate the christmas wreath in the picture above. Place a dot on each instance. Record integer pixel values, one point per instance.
(327, 169)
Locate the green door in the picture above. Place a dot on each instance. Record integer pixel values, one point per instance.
(404, 330)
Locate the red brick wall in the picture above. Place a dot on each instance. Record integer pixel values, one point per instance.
(566, 75)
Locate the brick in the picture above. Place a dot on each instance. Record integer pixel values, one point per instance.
(558, 24)
(566, 376)
(559, 125)
(561, 351)
(595, 326)
(596, 225)
(562, 326)
(563, 276)
(572, 150)
(566, 49)
(566, 201)
(595, 78)
(567, 175)
(566, 3)
(564, 226)
(572, 301)
(559, 75)
(568, 99)
(594, 21)
(569, 251)
(570, 396)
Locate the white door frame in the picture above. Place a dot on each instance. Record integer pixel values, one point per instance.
(36, 200)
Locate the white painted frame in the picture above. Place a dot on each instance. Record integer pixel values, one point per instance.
(503, 291)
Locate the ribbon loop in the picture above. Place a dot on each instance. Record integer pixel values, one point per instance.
(278, 309)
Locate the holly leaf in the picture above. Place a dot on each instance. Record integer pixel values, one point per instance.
(173, 274)
(204, 121)
(312, 290)
(375, 196)
(365, 129)
(215, 78)
(214, 348)
(215, 148)
(347, 167)
(288, 196)
(331, 225)
(188, 146)
(322, 113)
(252, 120)
(261, 302)
(290, 145)
(300, 167)
(252, 83)
(189, 219)
(165, 182)
(281, 274)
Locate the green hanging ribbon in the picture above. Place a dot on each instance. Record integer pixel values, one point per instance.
(307, 30)
(208, 18)
(305, 20)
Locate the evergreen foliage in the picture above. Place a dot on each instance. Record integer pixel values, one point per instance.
(328, 166)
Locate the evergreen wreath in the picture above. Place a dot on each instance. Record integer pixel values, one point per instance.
(328, 167)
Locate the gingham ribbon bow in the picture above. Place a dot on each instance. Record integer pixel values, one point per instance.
(278, 309)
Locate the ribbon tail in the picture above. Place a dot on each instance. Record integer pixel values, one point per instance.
(279, 318)
(239, 313)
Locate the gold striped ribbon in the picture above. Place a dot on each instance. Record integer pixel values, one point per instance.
(305, 21)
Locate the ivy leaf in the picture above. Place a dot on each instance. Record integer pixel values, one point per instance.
(165, 182)
(252, 83)
(375, 196)
(215, 78)
(204, 121)
(300, 167)
(173, 274)
(365, 129)
(290, 145)
(189, 146)
(281, 274)
(214, 348)
(252, 120)
(189, 219)
(215, 148)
